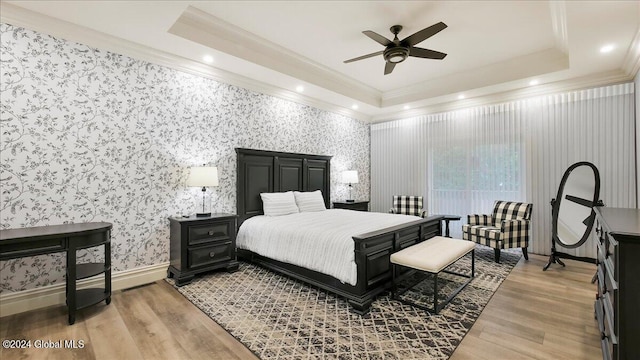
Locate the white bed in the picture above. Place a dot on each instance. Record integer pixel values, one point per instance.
(320, 241)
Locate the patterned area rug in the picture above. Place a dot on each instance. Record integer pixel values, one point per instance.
(280, 318)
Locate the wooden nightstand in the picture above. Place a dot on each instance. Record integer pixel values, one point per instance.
(356, 205)
(200, 244)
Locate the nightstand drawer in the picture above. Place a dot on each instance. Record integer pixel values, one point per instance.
(208, 255)
(356, 205)
(207, 233)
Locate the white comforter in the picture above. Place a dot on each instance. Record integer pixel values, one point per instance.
(320, 241)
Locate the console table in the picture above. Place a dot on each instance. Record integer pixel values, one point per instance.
(41, 240)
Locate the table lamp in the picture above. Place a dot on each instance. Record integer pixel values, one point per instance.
(350, 177)
(203, 176)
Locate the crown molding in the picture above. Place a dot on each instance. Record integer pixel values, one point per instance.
(631, 63)
(530, 65)
(477, 98)
(21, 17)
(205, 29)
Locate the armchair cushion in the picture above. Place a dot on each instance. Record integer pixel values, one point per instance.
(482, 234)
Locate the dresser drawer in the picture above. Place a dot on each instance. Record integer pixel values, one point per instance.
(601, 252)
(609, 317)
(211, 254)
(602, 288)
(611, 250)
(609, 282)
(607, 348)
(200, 234)
(605, 343)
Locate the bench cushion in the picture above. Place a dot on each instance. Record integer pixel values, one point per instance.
(432, 255)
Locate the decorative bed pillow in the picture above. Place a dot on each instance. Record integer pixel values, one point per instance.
(309, 201)
(276, 204)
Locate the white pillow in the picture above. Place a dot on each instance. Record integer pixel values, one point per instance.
(276, 204)
(310, 201)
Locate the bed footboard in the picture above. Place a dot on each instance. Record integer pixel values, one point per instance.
(372, 253)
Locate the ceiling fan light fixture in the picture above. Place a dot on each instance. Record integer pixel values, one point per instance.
(396, 58)
(396, 54)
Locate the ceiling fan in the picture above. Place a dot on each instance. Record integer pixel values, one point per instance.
(397, 51)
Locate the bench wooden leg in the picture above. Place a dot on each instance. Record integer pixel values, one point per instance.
(435, 294)
(394, 286)
(473, 263)
(497, 254)
(525, 253)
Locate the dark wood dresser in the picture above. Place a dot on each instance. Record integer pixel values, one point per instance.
(617, 305)
(200, 244)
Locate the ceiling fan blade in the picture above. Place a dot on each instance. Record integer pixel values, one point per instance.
(424, 34)
(426, 53)
(388, 68)
(377, 38)
(364, 57)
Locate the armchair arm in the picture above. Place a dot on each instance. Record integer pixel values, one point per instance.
(423, 213)
(515, 233)
(480, 219)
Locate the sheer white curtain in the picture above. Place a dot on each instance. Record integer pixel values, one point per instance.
(462, 161)
(475, 158)
(595, 125)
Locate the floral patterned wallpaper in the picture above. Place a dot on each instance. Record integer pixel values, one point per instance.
(89, 135)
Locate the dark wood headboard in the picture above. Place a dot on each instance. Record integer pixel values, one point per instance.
(271, 171)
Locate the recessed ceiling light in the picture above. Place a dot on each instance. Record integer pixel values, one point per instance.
(534, 82)
(354, 106)
(207, 59)
(461, 96)
(407, 107)
(606, 49)
(299, 88)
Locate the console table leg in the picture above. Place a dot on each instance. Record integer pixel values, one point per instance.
(71, 285)
(107, 274)
(446, 221)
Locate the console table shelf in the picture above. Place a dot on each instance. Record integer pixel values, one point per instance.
(92, 296)
(88, 270)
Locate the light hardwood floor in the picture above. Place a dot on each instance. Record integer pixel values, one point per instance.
(533, 315)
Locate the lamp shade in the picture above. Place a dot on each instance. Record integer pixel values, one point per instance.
(202, 176)
(350, 177)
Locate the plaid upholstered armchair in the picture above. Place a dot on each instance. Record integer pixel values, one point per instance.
(507, 227)
(408, 205)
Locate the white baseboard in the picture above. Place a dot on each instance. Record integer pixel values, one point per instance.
(17, 302)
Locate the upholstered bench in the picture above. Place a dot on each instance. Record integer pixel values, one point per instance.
(432, 256)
